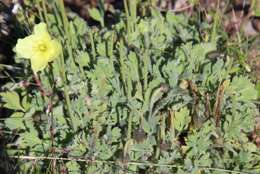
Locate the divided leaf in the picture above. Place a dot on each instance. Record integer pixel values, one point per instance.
(95, 14)
(243, 89)
(15, 121)
(12, 100)
(181, 119)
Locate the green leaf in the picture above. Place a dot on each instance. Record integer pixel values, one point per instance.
(12, 100)
(83, 59)
(73, 167)
(80, 25)
(29, 139)
(95, 14)
(243, 89)
(200, 51)
(116, 133)
(258, 90)
(174, 19)
(101, 49)
(25, 103)
(255, 6)
(15, 121)
(133, 65)
(257, 13)
(181, 119)
(59, 115)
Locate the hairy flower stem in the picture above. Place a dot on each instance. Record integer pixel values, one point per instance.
(129, 129)
(39, 8)
(93, 51)
(172, 129)
(66, 93)
(127, 17)
(45, 13)
(69, 36)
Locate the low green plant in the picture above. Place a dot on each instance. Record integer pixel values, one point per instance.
(145, 98)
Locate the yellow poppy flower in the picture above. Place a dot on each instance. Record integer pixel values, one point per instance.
(39, 47)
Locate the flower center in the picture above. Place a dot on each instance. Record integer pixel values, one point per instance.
(42, 47)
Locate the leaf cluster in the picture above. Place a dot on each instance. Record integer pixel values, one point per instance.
(147, 95)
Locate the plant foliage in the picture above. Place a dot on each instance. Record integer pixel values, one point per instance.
(144, 97)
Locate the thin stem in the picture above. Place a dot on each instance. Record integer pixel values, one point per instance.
(102, 12)
(93, 50)
(45, 12)
(127, 17)
(10, 67)
(146, 70)
(237, 27)
(162, 127)
(64, 18)
(129, 129)
(66, 93)
(39, 9)
(172, 128)
(68, 36)
(216, 23)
